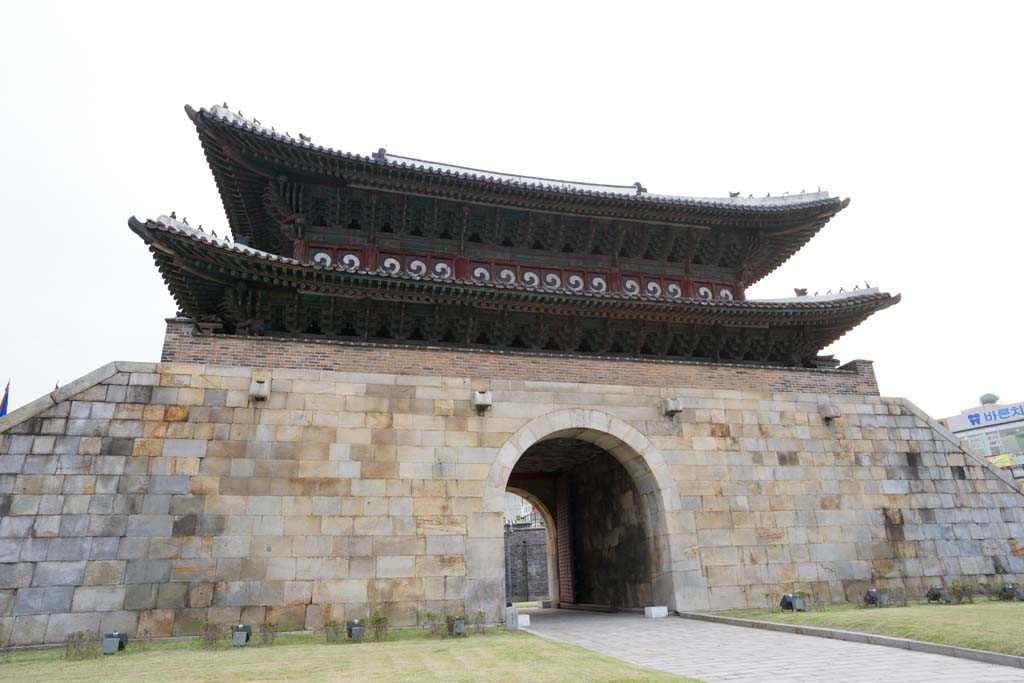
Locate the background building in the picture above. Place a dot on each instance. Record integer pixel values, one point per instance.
(994, 430)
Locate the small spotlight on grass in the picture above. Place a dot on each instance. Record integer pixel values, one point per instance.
(876, 598)
(792, 603)
(113, 643)
(240, 635)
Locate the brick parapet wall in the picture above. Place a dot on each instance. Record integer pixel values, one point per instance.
(183, 343)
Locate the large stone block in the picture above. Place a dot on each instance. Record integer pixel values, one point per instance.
(98, 599)
(58, 573)
(53, 600)
(148, 571)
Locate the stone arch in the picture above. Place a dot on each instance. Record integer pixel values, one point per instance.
(675, 573)
(550, 539)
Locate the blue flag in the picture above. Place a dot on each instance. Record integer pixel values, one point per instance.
(3, 403)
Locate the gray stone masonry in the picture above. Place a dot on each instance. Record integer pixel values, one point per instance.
(152, 497)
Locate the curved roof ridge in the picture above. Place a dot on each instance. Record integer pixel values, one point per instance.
(635, 191)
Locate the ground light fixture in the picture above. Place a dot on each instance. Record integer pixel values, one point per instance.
(355, 630)
(240, 635)
(876, 598)
(792, 603)
(113, 642)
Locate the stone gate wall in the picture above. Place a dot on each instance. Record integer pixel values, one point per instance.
(149, 497)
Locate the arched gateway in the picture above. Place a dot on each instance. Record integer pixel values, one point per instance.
(384, 346)
(648, 473)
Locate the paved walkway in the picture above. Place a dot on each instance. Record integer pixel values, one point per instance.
(717, 652)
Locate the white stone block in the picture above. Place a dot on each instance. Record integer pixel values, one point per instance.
(524, 621)
(511, 618)
(655, 612)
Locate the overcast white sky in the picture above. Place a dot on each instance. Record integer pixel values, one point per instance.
(912, 110)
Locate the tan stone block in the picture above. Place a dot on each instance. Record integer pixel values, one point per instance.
(187, 466)
(154, 429)
(203, 486)
(380, 470)
(472, 471)
(177, 413)
(156, 623)
(461, 438)
(128, 411)
(297, 506)
(288, 433)
(104, 572)
(352, 436)
(485, 558)
(224, 505)
(444, 407)
(318, 468)
(399, 487)
(379, 420)
(203, 430)
(494, 439)
(340, 591)
(301, 526)
(427, 488)
(324, 402)
(180, 430)
(336, 526)
(373, 526)
(148, 447)
(236, 399)
(485, 525)
(369, 487)
(298, 592)
(446, 525)
(153, 413)
(387, 590)
(90, 445)
(396, 566)
(366, 404)
(430, 506)
(465, 505)
(440, 565)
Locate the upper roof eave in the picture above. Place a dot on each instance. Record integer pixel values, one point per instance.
(818, 203)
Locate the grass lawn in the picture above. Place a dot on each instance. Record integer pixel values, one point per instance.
(983, 625)
(495, 657)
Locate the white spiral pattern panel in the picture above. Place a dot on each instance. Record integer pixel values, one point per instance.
(674, 290)
(350, 261)
(391, 265)
(322, 258)
(552, 280)
(653, 288)
(417, 267)
(725, 294)
(480, 274)
(507, 276)
(575, 282)
(705, 293)
(442, 269)
(631, 287)
(531, 279)
(598, 284)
